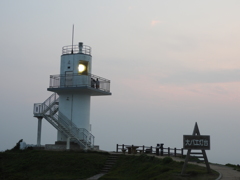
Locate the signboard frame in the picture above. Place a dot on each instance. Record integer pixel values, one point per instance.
(196, 134)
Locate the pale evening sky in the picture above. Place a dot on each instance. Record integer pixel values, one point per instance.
(171, 64)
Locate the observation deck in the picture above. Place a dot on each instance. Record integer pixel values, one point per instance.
(80, 83)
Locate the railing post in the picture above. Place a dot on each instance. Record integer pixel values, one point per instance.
(39, 131)
(151, 149)
(157, 150)
(162, 150)
(175, 152)
(168, 151)
(143, 148)
(182, 152)
(117, 148)
(68, 143)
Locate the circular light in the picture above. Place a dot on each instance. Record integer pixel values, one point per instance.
(81, 68)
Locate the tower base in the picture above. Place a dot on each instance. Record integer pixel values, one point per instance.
(62, 146)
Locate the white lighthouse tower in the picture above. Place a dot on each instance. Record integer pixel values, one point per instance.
(68, 108)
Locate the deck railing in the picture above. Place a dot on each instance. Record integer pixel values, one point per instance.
(78, 80)
(74, 49)
(123, 148)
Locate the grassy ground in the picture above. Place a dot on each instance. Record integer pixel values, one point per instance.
(66, 165)
(151, 168)
(43, 165)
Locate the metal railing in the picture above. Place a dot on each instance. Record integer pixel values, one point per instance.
(74, 49)
(150, 150)
(79, 133)
(48, 109)
(50, 102)
(78, 80)
(40, 108)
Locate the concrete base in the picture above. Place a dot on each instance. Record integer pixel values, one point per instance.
(96, 147)
(62, 146)
(39, 148)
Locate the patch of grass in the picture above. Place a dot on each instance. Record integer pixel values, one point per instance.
(39, 165)
(193, 159)
(235, 167)
(151, 168)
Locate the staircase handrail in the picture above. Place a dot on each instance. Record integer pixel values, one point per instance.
(41, 108)
(49, 102)
(61, 122)
(54, 120)
(78, 133)
(87, 136)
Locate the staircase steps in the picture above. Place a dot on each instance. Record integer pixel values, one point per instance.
(111, 161)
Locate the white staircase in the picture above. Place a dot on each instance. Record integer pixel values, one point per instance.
(49, 111)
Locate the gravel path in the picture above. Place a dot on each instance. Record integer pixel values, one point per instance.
(96, 177)
(226, 173)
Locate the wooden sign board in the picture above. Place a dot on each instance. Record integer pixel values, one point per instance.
(196, 142)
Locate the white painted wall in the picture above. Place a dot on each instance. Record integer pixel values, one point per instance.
(75, 105)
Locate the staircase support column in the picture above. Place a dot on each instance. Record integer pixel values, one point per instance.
(68, 143)
(39, 131)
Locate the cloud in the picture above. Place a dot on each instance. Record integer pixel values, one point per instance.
(195, 77)
(130, 8)
(155, 22)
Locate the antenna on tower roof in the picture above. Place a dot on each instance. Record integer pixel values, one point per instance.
(72, 37)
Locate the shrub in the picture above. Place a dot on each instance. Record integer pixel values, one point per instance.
(167, 160)
(165, 169)
(17, 146)
(192, 172)
(181, 162)
(230, 165)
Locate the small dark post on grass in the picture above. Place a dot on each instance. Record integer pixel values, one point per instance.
(196, 142)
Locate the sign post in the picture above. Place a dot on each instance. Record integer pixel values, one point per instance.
(196, 142)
